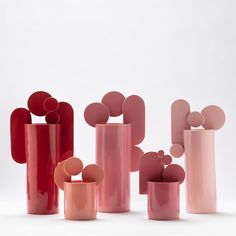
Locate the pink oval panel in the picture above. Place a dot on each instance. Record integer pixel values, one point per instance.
(177, 150)
(173, 173)
(60, 176)
(134, 114)
(19, 117)
(66, 114)
(214, 117)
(73, 166)
(166, 159)
(151, 168)
(96, 113)
(35, 103)
(195, 119)
(180, 110)
(114, 100)
(137, 154)
(92, 173)
(52, 117)
(50, 104)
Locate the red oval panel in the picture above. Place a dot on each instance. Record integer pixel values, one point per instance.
(19, 117)
(66, 114)
(134, 114)
(151, 168)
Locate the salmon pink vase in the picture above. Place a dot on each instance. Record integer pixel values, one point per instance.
(113, 155)
(80, 200)
(200, 171)
(42, 145)
(163, 200)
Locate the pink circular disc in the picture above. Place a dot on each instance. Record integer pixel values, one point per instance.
(96, 113)
(177, 150)
(137, 154)
(166, 159)
(73, 166)
(60, 176)
(50, 104)
(173, 173)
(92, 173)
(35, 103)
(114, 100)
(160, 153)
(52, 117)
(214, 117)
(195, 119)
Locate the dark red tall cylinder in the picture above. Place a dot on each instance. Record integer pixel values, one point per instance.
(42, 145)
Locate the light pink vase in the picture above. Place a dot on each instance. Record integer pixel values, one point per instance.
(113, 155)
(163, 200)
(200, 171)
(80, 200)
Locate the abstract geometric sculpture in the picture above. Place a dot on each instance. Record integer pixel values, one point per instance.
(79, 195)
(160, 180)
(198, 146)
(116, 150)
(42, 146)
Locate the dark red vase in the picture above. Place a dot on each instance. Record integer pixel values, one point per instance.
(42, 146)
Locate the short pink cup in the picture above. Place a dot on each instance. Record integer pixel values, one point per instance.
(163, 200)
(80, 200)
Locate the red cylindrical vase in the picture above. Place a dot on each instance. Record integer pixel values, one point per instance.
(113, 155)
(163, 200)
(42, 142)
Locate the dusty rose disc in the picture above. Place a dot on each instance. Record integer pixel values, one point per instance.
(35, 103)
(177, 150)
(173, 173)
(114, 100)
(52, 117)
(195, 119)
(50, 104)
(166, 160)
(60, 176)
(73, 166)
(96, 113)
(214, 117)
(92, 173)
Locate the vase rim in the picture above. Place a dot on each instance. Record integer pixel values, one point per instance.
(113, 124)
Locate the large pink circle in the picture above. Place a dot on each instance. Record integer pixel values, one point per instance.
(114, 100)
(177, 150)
(195, 119)
(96, 113)
(73, 166)
(35, 103)
(173, 173)
(214, 117)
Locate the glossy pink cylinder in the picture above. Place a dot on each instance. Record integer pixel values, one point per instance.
(80, 200)
(163, 200)
(42, 145)
(200, 171)
(113, 155)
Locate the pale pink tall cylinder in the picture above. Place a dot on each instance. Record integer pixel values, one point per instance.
(113, 155)
(200, 171)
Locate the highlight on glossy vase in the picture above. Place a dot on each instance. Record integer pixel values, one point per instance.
(198, 146)
(41, 146)
(117, 152)
(160, 180)
(79, 195)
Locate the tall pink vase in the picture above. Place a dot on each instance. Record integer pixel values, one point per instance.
(200, 171)
(113, 155)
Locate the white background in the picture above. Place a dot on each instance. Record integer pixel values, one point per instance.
(80, 49)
